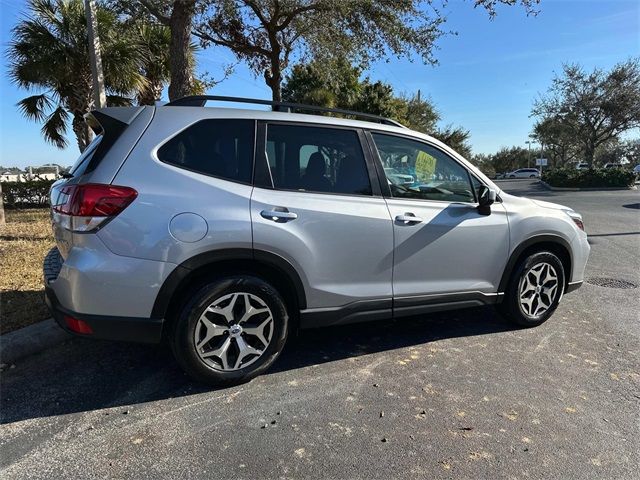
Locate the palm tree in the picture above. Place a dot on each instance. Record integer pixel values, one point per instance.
(154, 40)
(49, 53)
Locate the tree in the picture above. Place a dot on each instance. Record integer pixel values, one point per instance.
(595, 107)
(154, 40)
(455, 137)
(178, 15)
(333, 83)
(268, 34)
(509, 158)
(561, 147)
(49, 52)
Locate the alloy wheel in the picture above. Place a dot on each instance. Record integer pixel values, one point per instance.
(538, 289)
(234, 331)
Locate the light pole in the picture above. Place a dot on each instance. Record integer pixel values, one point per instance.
(529, 142)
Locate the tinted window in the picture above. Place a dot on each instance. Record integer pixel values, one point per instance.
(221, 148)
(434, 174)
(317, 160)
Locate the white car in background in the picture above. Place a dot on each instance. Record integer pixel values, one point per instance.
(524, 173)
(398, 178)
(582, 166)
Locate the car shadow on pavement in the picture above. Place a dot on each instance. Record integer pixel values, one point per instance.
(86, 375)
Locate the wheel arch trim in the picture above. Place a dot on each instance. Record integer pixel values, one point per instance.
(262, 258)
(527, 244)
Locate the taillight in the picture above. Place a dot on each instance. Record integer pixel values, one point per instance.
(84, 208)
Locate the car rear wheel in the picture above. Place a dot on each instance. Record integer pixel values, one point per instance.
(532, 176)
(535, 290)
(231, 330)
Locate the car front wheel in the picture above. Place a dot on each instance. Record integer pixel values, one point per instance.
(535, 289)
(231, 330)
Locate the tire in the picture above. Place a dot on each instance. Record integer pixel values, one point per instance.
(225, 303)
(527, 305)
(532, 176)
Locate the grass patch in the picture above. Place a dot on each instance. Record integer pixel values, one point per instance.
(24, 241)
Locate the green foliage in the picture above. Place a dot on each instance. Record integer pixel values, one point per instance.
(49, 53)
(34, 193)
(591, 178)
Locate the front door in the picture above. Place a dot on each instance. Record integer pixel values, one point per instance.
(443, 245)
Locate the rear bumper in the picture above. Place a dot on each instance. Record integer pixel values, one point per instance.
(106, 327)
(142, 330)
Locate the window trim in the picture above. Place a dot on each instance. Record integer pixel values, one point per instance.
(383, 176)
(262, 161)
(157, 148)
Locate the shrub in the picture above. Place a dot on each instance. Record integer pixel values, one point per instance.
(34, 193)
(591, 178)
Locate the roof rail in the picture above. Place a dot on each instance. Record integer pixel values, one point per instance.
(201, 100)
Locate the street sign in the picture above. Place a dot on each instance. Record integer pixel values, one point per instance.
(541, 162)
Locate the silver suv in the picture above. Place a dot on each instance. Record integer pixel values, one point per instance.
(223, 230)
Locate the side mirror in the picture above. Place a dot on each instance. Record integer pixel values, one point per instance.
(486, 198)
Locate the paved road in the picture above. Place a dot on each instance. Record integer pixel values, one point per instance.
(456, 395)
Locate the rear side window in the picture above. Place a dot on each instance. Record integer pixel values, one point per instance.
(220, 148)
(313, 159)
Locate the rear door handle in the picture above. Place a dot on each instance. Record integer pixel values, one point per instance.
(279, 214)
(408, 219)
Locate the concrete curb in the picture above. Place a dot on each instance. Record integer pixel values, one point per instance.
(590, 189)
(30, 340)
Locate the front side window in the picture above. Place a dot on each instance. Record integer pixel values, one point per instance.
(220, 148)
(418, 170)
(314, 159)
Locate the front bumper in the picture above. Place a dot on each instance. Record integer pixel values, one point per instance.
(130, 329)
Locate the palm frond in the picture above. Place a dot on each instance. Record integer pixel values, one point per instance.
(35, 106)
(118, 101)
(55, 128)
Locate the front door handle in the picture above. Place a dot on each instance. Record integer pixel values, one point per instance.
(408, 219)
(279, 214)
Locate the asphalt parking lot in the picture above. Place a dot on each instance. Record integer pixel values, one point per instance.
(455, 395)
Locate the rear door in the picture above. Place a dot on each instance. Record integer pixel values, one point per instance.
(317, 204)
(445, 249)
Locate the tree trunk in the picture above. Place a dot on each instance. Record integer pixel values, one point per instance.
(149, 94)
(82, 131)
(181, 70)
(589, 153)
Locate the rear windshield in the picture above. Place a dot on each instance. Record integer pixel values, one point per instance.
(83, 160)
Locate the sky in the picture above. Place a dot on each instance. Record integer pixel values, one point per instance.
(487, 78)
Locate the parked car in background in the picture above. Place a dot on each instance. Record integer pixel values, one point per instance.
(223, 231)
(582, 166)
(612, 165)
(398, 178)
(524, 173)
(500, 175)
(636, 169)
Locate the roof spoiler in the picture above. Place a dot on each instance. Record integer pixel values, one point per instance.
(109, 122)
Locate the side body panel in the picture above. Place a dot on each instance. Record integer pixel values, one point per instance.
(178, 213)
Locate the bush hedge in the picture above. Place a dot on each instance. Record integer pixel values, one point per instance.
(591, 178)
(34, 193)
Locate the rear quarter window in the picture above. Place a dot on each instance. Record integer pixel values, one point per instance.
(82, 162)
(219, 148)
